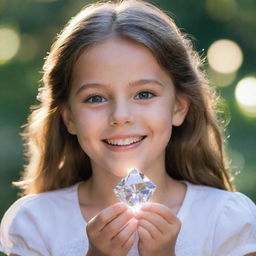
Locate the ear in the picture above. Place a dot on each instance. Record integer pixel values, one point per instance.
(67, 118)
(181, 108)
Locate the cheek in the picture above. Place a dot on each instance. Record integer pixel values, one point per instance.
(88, 124)
(161, 116)
(161, 122)
(88, 132)
(164, 129)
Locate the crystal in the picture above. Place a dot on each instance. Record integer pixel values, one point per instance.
(134, 189)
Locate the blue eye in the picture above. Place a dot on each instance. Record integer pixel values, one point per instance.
(144, 95)
(95, 99)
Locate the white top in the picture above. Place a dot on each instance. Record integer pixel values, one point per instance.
(214, 223)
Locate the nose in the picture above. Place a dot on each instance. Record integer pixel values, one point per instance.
(121, 114)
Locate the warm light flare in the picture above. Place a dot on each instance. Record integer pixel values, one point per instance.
(9, 44)
(225, 56)
(245, 94)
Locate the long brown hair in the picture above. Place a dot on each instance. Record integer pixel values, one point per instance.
(195, 151)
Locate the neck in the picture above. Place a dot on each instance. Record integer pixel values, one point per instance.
(100, 187)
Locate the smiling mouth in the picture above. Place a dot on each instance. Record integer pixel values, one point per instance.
(124, 142)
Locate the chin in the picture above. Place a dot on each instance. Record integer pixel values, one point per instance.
(119, 173)
(121, 169)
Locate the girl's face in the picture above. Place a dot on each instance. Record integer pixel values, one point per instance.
(122, 107)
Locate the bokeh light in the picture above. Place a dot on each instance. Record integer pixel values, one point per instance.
(9, 44)
(225, 56)
(245, 94)
(221, 79)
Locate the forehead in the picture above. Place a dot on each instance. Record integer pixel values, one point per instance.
(117, 60)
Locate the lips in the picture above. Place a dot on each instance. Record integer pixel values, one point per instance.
(127, 141)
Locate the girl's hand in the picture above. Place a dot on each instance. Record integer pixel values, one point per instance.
(158, 230)
(112, 231)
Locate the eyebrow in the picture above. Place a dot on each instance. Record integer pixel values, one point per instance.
(134, 83)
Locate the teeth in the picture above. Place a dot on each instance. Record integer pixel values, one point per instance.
(124, 142)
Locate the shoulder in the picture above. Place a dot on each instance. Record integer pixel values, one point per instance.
(239, 205)
(39, 204)
(234, 225)
(26, 222)
(237, 211)
(220, 200)
(235, 229)
(203, 200)
(230, 218)
(36, 203)
(18, 224)
(17, 208)
(226, 206)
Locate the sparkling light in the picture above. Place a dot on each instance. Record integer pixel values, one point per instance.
(245, 94)
(134, 189)
(9, 44)
(225, 56)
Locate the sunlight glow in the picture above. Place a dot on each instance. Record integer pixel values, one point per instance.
(225, 56)
(9, 44)
(245, 94)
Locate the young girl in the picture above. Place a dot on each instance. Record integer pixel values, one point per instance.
(123, 88)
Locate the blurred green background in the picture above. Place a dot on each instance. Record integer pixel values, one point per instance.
(28, 28)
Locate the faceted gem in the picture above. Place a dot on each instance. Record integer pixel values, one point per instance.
(134, 189)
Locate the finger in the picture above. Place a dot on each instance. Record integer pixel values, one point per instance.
(152, 230)
(144, 235)
(160, 209)
(114, 227)
(124, 235)
(98, 222)
(129, 243)
(156, 220)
